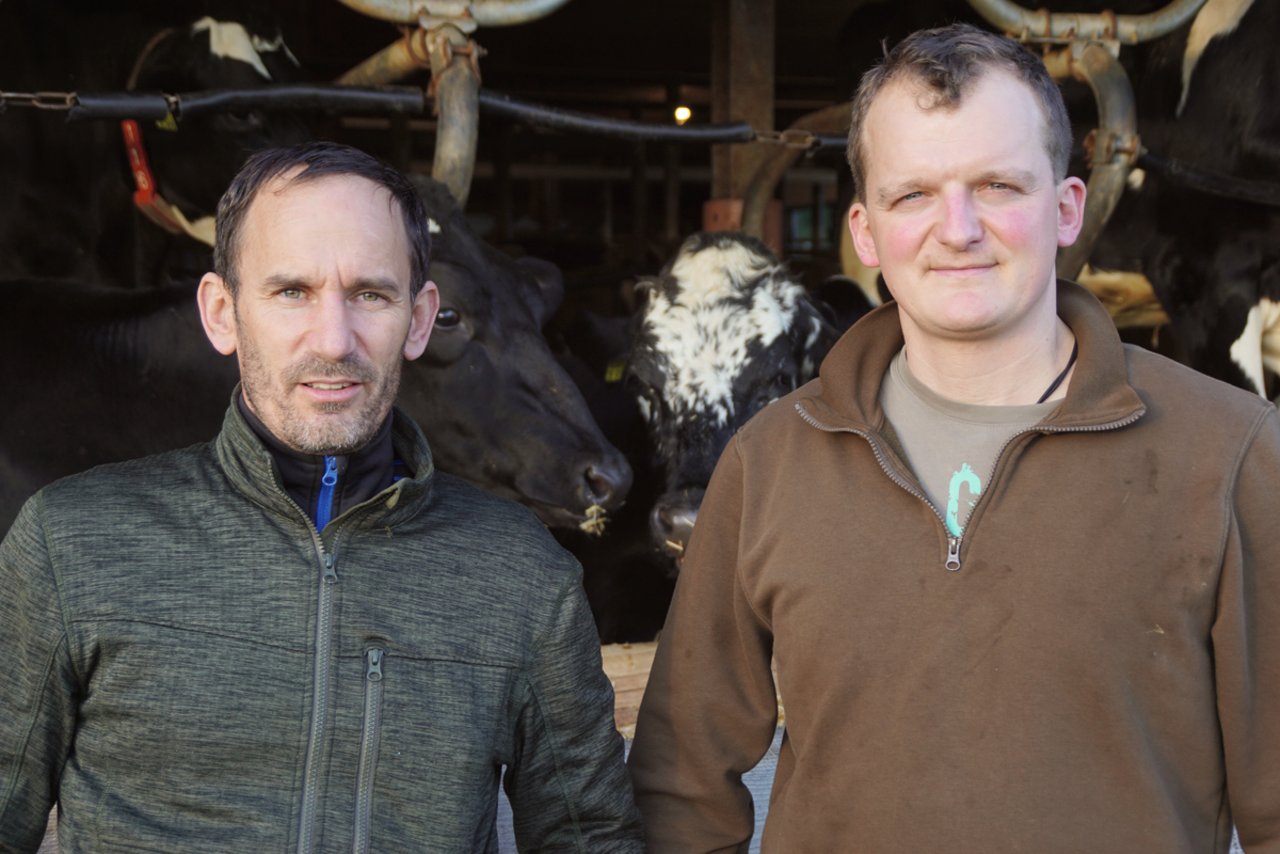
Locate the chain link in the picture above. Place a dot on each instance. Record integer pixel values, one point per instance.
(790, 138)
(39, 100)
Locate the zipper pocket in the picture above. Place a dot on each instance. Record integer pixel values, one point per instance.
(369, 737)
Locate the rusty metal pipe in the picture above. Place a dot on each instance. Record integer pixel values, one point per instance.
(1041, 25)
(1114, 151)
(486, 13)
(394, 62)
(776, 163)
(456, 78)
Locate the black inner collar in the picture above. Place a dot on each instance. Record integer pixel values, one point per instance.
(360, 475)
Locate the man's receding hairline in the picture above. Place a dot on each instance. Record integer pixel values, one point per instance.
(929, 99)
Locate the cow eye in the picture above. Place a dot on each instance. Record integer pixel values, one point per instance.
(447, 318)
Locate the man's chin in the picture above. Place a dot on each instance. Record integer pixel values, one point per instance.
(328, 436)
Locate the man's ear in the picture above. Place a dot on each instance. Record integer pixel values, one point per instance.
(860, 231)
(217, 313)
(1071, 193)
(425, 307)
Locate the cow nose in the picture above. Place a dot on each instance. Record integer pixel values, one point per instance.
(671, 521)
(606, 482)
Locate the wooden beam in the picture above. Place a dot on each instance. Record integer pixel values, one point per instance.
(742, 87)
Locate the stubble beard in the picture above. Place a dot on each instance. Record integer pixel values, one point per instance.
(326, 429)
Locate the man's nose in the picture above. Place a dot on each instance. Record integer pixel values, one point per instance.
(960, 226)
(333, 332)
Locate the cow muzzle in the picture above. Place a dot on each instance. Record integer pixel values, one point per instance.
(671, 520)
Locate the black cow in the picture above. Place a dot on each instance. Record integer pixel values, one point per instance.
(94, 375)
(68, 209)
(1205, 98)
(724, 330)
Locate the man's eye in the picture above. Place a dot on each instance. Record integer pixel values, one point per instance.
(370, 296)
(291, 293)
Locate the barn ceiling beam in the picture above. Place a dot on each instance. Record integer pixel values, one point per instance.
(1043, 25)
(485, 13)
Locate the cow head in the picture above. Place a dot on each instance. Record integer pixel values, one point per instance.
(723, 331)
(497, 407)
(194, 158)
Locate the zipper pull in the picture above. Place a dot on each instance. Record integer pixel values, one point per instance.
(324, 501)
(329, 574)
(373, 672)
(953, 554)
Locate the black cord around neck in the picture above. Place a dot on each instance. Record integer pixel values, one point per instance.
(1057, 381)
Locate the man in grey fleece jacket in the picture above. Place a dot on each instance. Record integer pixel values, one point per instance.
(300, 636)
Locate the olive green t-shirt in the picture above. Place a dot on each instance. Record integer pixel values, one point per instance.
(950, 446)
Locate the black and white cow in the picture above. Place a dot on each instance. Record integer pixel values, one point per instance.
(68, 209)
(94, 375)
(1205, 97)
(723, 331)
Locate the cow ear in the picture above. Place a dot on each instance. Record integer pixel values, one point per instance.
(550, 283)
(218, 313)
(812, 335)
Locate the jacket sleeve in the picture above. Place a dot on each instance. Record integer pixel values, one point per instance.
(37, 705)
(568, 784)
(710, 709)
(1246, 646)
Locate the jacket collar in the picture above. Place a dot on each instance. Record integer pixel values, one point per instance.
(848, 391)
(251, 469)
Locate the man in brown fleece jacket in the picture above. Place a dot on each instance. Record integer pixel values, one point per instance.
(1020, 582)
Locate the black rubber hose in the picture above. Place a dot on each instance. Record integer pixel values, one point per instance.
(397, 100)
(552, 117)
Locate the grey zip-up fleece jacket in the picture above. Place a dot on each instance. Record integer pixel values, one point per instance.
(1097, 673)
(187, 665)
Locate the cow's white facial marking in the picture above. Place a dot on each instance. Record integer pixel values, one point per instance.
(1258, 346)
(230, 40)
(1216, 18)
(433, 227)
(727, 298)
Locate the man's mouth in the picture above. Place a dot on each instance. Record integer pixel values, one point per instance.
(329, 386)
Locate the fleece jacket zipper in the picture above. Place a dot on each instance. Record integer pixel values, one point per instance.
(328, 486)
(319, 698)
(952, 562)
(369, 737)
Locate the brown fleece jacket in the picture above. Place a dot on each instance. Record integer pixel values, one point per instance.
(1102, 673)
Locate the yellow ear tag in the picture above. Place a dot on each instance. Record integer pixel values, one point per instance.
(613, 371)
(167, 123)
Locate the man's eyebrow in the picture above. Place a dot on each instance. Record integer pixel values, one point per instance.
(887, 195)
(283, 281)
(374, 283)
(1021, 177)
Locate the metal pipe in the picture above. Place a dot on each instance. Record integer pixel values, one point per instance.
(776, 163)
(394, 62)
(1043, 25)
(455, 76)
(1115, 148)
(486, 13)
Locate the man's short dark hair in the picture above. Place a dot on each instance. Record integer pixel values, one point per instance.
(946, 62)
(316, 160)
